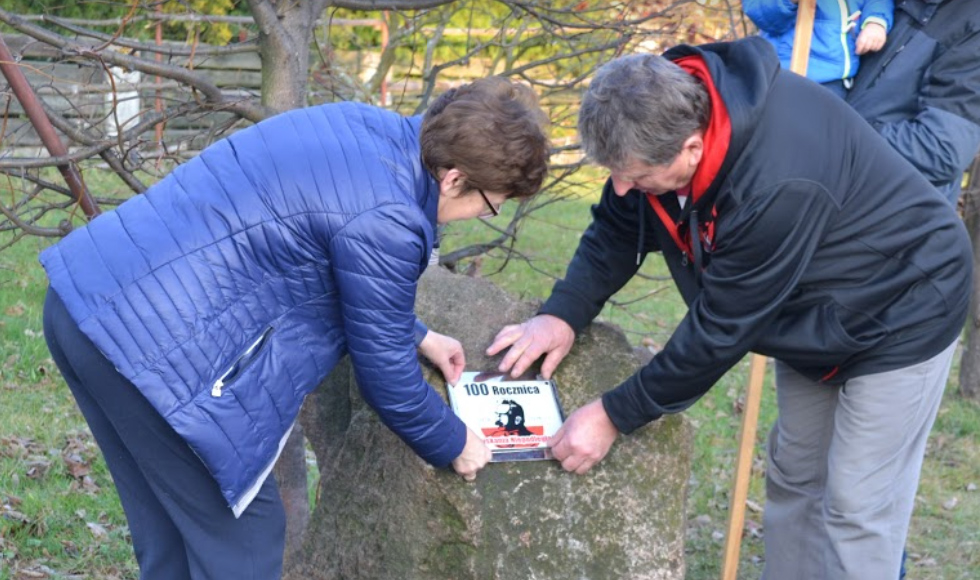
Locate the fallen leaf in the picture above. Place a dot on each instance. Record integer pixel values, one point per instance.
(754, 528)
(97, 530)
(14, 516)
(77, 467)
(738, 405)
(38, 468)
(702, 520)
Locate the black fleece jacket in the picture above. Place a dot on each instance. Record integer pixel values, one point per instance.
(922, 90)
(828, 251)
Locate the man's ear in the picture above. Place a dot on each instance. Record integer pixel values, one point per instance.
(694, 145)
(452, 182)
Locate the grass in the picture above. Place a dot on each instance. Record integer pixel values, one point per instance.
(59, 515)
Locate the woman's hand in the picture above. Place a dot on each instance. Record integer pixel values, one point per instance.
(474, 457)
(446, 353)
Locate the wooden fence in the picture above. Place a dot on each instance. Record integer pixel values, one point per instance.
(81, 91)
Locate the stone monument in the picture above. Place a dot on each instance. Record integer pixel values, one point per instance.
(382, 513)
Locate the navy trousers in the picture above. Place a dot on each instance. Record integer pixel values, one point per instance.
(181, 525)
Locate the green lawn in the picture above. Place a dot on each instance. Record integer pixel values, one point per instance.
(59, 516)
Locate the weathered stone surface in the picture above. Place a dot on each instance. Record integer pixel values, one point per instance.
(382, 513)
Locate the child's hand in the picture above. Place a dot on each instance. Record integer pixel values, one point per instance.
(871, 39)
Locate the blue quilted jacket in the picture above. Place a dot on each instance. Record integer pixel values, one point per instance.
(832, 47)
(229, 290)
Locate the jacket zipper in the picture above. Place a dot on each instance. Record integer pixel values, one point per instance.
(240, 364)
(845, 18)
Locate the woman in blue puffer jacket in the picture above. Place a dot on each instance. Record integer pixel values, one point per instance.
(835, 47)
(191, 322)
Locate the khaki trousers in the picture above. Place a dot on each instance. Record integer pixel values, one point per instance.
(843, 470)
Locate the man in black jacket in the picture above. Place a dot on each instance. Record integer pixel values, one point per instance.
(791, 230)
(922, 90)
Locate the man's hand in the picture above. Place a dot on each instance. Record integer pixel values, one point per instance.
(542, 335)
(446, 353)
(584, 439)
(474, 457)
(871, 39)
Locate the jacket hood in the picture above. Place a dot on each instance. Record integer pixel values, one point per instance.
(742, 73)
(738, 77)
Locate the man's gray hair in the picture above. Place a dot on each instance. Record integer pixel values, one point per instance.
(641, 107)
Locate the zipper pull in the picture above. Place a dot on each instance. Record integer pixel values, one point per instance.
(217, 386)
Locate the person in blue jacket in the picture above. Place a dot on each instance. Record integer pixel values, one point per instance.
(191, 322)
(835, 47)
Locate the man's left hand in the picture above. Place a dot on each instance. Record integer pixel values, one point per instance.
(446, 353)
(584, 439)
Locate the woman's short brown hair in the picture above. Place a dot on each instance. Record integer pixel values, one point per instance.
(491, 130)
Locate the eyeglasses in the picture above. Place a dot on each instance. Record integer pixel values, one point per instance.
(494, 210)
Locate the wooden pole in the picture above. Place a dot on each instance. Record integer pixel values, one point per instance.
(743, 466)
(804, 33)
(757, 370)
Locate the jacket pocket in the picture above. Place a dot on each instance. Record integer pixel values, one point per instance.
(816, 337)
(241, 363)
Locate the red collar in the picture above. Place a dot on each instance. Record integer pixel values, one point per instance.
(718, 134)
(717, 137)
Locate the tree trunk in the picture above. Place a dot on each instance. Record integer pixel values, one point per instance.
(285, 37)
(285, 53)
(970, 361)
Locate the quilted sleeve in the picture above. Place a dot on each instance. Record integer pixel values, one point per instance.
(377, 260)
(774, 17)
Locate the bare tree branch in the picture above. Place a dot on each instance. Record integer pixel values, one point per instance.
(168, 50)
(370, 5)
(84, 137)
(96, 148)
(249, 110)
(266, 18)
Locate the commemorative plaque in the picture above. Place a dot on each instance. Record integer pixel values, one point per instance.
(516, 417)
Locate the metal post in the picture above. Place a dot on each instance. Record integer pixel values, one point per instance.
(157, 101)
(384, 46)
(39, 119)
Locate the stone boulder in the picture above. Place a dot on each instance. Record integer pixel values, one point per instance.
(382, 513)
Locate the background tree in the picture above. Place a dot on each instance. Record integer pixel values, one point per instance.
(970, 361)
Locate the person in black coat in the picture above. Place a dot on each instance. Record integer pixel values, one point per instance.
(794, 231)
(921, 92)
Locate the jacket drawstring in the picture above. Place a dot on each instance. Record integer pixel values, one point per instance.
(695, 246)
(639, 243)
